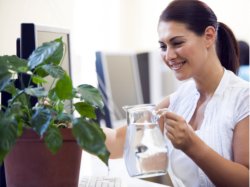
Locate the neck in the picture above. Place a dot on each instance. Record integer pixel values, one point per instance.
(209, 78)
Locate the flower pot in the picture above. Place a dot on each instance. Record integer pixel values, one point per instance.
(31, 164)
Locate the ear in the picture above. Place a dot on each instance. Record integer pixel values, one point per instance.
(210, 36)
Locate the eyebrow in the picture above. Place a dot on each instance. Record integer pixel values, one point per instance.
(171, 39)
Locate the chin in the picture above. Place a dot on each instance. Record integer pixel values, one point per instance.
(181, 77)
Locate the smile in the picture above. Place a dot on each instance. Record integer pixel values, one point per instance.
(176, 66)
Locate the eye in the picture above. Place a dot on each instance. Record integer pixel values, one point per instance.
(177, 43)
(163, 47)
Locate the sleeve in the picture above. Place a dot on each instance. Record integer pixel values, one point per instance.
(242, 109)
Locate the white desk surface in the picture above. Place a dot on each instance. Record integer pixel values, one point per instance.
(132, 182)
(92, 166)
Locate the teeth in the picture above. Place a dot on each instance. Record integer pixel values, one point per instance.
(176, 66)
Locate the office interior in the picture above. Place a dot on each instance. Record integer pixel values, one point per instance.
(120, 29)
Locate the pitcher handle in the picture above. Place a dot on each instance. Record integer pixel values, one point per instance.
(159, 113)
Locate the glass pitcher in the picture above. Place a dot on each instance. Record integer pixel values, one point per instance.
(145, 151)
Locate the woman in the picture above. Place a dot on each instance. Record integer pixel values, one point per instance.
(208, 126)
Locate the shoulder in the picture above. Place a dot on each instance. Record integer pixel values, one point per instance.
(237, 82)
(185, 87)
(238, 91)
(238, 88)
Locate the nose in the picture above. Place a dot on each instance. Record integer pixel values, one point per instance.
(169, 54)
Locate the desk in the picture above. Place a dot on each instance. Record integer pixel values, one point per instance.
(132, 182)
(92, 166)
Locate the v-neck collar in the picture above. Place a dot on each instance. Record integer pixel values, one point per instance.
(222, 84)
(218, 92)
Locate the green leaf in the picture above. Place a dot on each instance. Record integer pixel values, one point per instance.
(38, 80)
(5, 78)
(50, 52)
(40, 120)
(19, 96)
(58, 54)
(16, 108)
(91, 95)
(5, 75)
(59, 106)
(10, 88)
(85, 109)
(54, 71)
(52, 95)
(37, 92)
(64, 88)
(14, 63)
(91, 138)
(64, 117)
(39, 71)
(10, 64)
(53, 139)
(8, 134)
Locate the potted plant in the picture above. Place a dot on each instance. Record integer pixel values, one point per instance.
(47, 121)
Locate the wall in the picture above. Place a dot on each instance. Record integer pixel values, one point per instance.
(131, 23)
(57, 13)
(140, 18)
(105, 25)
(235, 14)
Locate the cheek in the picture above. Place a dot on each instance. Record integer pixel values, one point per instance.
(186, 51)
(192, 53)
(162, 54)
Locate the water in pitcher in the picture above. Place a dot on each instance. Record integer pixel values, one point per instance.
(145, 152)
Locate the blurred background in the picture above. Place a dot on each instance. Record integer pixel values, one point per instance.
(110, 25)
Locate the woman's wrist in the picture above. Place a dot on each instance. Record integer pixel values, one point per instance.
(197, 149)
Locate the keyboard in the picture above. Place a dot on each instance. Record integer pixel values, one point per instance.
(94, 181)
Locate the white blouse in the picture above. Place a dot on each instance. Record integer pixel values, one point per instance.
(229, 105)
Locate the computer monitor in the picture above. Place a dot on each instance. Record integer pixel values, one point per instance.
(143, 61)
(162, 79)
(119, 81)
(32, 36)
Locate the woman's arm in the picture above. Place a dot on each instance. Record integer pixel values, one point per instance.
(222, 172)
(115, 140)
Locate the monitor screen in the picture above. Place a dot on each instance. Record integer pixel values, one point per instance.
(119, 81)
(46, 34)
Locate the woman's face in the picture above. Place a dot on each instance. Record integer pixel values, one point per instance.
(182, 50)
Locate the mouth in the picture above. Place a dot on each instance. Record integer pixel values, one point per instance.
(176, 65)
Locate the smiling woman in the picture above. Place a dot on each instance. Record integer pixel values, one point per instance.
(208, 126)
(195, 45)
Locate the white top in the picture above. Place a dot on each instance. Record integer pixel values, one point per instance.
(229, 105)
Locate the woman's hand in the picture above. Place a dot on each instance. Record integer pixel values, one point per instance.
(178, 131)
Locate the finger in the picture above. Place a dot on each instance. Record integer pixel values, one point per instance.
(162, 111)
(170, 136)
(170, 122)
(169, 129)
(173, 116)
